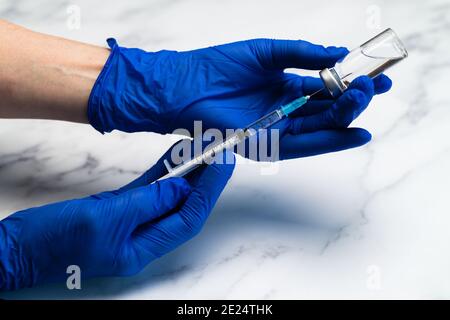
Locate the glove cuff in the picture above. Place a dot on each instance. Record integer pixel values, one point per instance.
(125, 94)
(12, 270)
(97, 115)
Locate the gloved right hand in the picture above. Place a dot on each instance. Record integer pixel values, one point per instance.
(228, 87)
(114, 233)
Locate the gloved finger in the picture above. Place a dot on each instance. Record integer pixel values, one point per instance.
(159, 169)
(296, 86)
(312, 85)
(207, 185)
(282, 54)
(154, 173)
(312, 107)
(172, 230)
(382, 84)
(146, 203)
(325, 141)
(323, 100)
(347, 108)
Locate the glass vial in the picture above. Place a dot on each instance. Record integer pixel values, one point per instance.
(371, 58)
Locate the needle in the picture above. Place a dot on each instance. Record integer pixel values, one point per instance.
(262, 123)
(316, 92)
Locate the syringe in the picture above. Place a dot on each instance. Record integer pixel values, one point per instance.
(240, 135)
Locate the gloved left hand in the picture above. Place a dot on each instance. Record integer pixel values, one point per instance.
(228, 87)
(113, 233)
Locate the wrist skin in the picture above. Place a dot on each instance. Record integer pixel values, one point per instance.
(46, 77)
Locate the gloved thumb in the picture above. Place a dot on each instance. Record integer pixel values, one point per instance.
(207, 184)
(282, 54)
(146, 203)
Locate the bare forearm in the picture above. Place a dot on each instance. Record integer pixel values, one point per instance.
(46, 77)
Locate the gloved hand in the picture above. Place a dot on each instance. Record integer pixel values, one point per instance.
(228, 87)
(113, 233)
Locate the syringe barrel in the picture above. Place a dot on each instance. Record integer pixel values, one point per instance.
(182, 169)
(207, 156)
(266, 121)
(210, 152)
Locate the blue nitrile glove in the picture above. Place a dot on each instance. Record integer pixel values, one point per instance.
(113, 233)
(228, 87)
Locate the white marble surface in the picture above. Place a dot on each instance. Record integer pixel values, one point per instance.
(367, 223)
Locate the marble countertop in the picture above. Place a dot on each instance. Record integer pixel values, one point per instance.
(366, 223)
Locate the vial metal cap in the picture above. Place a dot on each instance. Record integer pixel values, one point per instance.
(332, 81)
